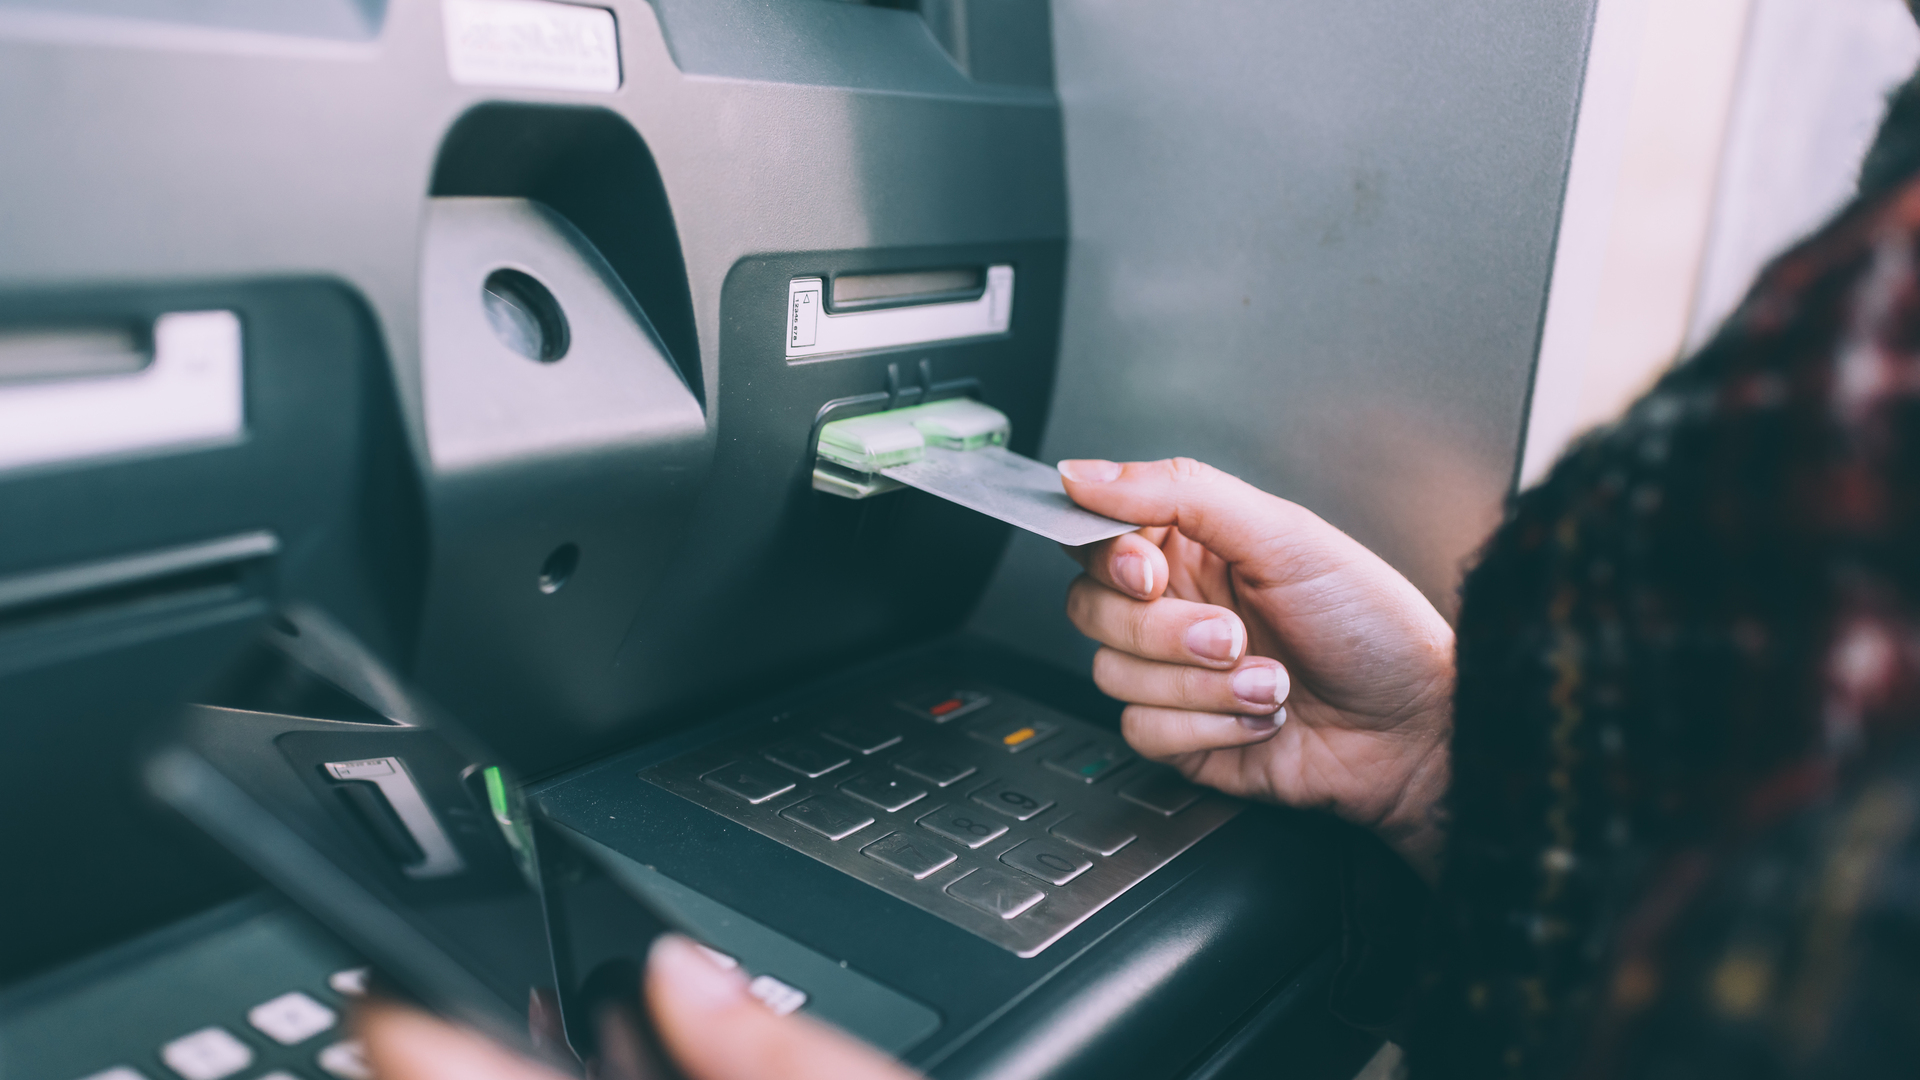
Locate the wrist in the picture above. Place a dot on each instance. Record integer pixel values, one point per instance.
(1415, 826)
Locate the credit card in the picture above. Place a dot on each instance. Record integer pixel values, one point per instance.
(1001, 484)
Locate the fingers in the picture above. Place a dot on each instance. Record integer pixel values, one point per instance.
(1255, 687)
(717, 1031)
(406, 1044)
(1174, 631)
(1227, 515)
(1162, 734)
(1131, 563)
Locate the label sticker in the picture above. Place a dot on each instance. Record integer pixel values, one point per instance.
(534, 43)
(803, 320)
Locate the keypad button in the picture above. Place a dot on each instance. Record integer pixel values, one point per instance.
(994, 893)
(346, 1060)
(935, 767)
(963, 825)
(1089, 763)
(942, 706)
(1016, 735)
(887, 791)
(909, 855)
(776, 995)
(861, 734)
(1100, 833)
(1162, 792)
(750, 780)
(1055, 864)
(829, 815)
(1011, 801)
(351, 982)
(118, 1072)
(291, 1019)
(807, 756)
(207, 1054)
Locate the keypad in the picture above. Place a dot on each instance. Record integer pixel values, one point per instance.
(1102, 832)
(351, 982)
(965, 826)
(864, 736)
(1162, 792)
(750, 780)
(1016, 734)
(808, 756)
(829, 815)
(944, 705)
(957, 818)
(1090, 762)
(291, 1018)
(776, 995)
(345, 1060)
(888, 791)
(210, 1053)
(999, 895)
(935, 767)
(1055, 864)
(1016, 803)
(910, 855)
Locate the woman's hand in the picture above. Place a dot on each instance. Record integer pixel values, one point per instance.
(714, 1029)
(1265, 652)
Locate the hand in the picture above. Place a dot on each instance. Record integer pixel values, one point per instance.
(713, 1028)
(1265, 652)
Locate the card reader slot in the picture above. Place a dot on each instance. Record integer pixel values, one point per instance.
(865, 292)
(378, 816)
(936, 311)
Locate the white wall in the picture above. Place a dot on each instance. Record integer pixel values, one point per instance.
(1712, 134)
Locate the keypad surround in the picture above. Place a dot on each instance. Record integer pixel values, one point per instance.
(1005, 876)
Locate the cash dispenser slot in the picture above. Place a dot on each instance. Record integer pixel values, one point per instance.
(889, 311)
(85, 608)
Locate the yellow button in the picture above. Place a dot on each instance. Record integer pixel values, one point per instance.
(1018, 737)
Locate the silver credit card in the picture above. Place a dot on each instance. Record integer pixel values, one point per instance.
(1001, 484)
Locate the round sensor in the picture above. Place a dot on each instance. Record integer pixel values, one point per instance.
(525, 316)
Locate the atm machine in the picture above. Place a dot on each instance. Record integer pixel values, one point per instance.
(358, 354)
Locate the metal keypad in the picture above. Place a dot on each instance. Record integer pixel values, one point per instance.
(929, 795)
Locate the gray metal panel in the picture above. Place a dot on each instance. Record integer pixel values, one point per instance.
(1311, 246)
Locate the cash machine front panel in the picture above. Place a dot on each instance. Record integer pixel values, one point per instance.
(746, 688)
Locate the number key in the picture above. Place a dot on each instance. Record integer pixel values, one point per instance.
(1011, 801)
(963, 825)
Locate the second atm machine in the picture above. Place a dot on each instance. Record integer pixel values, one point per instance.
(622, 262)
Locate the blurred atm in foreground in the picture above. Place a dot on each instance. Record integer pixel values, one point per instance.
(362, 361)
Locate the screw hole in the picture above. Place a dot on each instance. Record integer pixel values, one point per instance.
(558, 568)
(525, 316)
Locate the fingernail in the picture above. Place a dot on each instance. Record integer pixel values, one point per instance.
(1134, 573)
(1264, 723)
(1216, 639)
(1257, 684)
(694, 978)
(1090, 471)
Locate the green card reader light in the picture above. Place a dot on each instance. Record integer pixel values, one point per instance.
(854, 452)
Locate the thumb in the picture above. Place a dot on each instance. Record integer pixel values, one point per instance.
(716, 1030)
(1268, 539)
